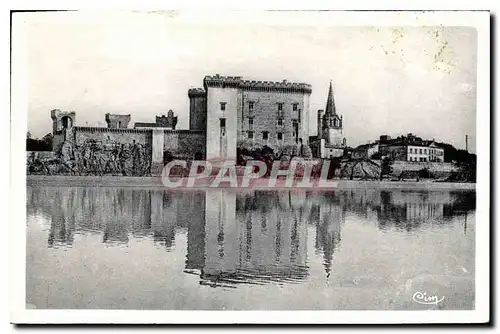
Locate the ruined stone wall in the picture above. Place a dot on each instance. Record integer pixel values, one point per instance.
(57, 142)
(117, 121)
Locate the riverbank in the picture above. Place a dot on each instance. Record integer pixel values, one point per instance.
(155, 182)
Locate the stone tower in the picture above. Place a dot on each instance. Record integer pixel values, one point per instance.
(332, 122)
(197, 109)
(62, 120)
(117, 121)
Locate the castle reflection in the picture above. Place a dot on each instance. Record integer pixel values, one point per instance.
(252, 237)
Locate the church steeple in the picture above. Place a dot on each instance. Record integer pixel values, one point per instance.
(330, 103)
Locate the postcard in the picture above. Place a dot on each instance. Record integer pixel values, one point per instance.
(274, 167)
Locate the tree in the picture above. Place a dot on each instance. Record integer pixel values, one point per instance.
(34, 144)
(47, 140)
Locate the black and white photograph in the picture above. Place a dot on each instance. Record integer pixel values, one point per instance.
(168, 163)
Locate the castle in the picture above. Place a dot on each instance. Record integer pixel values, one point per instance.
(227, 114)
(243, 113)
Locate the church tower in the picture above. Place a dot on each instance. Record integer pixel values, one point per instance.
(332, 122)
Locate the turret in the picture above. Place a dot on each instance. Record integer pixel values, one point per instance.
(62, 120)
(197, 109)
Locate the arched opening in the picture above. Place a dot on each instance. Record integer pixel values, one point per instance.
(66, 122)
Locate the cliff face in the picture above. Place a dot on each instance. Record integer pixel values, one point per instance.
(365, 170)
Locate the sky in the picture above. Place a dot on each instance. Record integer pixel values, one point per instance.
(386, 80)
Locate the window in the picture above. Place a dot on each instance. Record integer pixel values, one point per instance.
(420, 151)
(250, 134)
(411, 150)
(280, 136)
(425, 150)
(250, 121)
(222, 122)
(280, 106)
(265, 135)
(411, 159)
(295, 106)
(250, 106)
(280, 121)
(223, 106)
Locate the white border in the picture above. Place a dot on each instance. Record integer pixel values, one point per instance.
(479, 20)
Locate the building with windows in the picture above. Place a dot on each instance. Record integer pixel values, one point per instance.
(241, 113)
(427, 151)
(410, 148)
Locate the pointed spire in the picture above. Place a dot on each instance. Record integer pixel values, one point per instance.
(330, 103)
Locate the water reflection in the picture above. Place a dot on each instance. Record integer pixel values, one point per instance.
(252, 237)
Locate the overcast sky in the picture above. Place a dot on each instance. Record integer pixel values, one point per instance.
(387, 80)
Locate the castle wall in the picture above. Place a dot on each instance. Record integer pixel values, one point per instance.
(109, 158)
(191, 144)
(157, 152)
(265, 118)
(103, 135)
(222, 144)
(184, 144)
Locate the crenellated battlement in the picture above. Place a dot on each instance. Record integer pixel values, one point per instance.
(122, 130)
(102, 129)
(195, 92)
(238, 82)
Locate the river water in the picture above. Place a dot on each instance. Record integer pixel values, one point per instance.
(222, 249)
